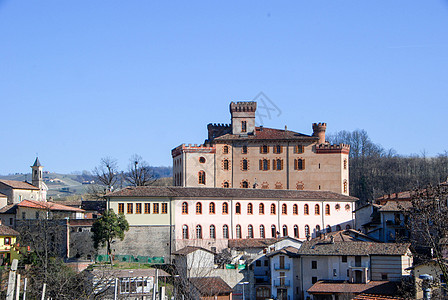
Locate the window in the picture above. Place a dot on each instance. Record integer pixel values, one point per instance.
(345, 164)
(327, 209)
(238, 208)
(344, 258)
(307, 231)
(278, 149)
(306, 209)
(262, 231)
(238, 231)
(164, 208)
(298, 149)
(7, 241)
(155, 208)
(244, 165)
(328, 228)
(225, 149)
(272, 209)
(121, 208)
(130, 208)
(345, 186)
(285, 230)
(226, 164)
(258, 263)
(212, 232)
(225, 231)
(314, 264)
(211, 208)
(37, 215)
(295, 209)
(202, 159)
(185, 232)
(23, 215)
(199, 208)
(185, 208)
(201, 177)
(226, 184)
(347, 227)
(264, 164)
(249, 208)
(296, 231)
(299, 164)
(317, 209)
(338, 228)
(264, 149)
(278, 185)
(277, 164)
(265, 185)
(318, 231)
(300, 186)
(383, 276)
(138, 208)
(250, 232)
(245, 184)
(347, 207)
(198, 232)
(313, 280)
(244, 150)
(284, 209)
(225, 208)
(273, 231)
(261, 209)
(243, 126)
(148, 208)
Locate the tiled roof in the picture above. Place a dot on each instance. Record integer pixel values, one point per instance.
(347, 235)
(190, 249)
(263, 133)
(48, 205)
(2, 195)
(23, 185)
(372, 287)
(396, 196)
(290, 251)
(251, 243)
(9, 209)
(396, 206)
(210, 286)
(197, 192)
(6, 230)
(375, 297)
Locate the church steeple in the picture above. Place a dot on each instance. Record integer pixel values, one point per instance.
(37, 179)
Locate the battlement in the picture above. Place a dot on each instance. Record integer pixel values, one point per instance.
(218, 125)
(319, 131)
(192, 148)
(327, 148)
(243, 106)
(217, 129)
(319, 126)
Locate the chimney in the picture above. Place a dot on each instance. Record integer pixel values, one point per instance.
(319, 131)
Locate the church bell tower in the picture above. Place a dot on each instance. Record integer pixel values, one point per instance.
(37, 174)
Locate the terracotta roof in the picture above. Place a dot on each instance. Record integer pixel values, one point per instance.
(23, 185)
(197, 192)
(48, 205)
(372, 287)
(374, 297)
(190, 249)
(346, 235)
(263, 133)
(406, 195)
(9, 209)
(6, 230)
(251, 243)
(210, 286)
(290, 251)
(396, 206)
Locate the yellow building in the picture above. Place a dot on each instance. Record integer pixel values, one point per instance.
(8, 245)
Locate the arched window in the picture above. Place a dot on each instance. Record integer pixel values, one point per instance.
(199, 208)
(226, 164)
(299, 164)
(265, 165)
(249, 209)
(328, 228)
(345, 186)
(212, 232)
(295, 209)
(185, 232)
(225, 149)
(278, 149)
(225, 231)
(327, 209)
(244, 165)
(272, 209)
(238, 231)
(185, 208)
(225, 208)
(318, 231)
(285, 230)
(348, 226)
(201, 177)
(198, 232)
(284, 209)
(262, 231)
(245, 185)
(307, 231)
(338, 228)
(238, 208)
(243, 126)
(296, 231)
(202, 159)
(273, 231)
(347, 207)
(211, 208)
(244, 150)
(226, 184)
(250, 232)
(278, 164)
(316, 209)
(261, 209)
(306, 209)
(345, 164)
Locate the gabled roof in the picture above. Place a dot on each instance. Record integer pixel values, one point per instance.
(289, 251)
(372, 287)
(48, 206)
(251, 243)
(9, 209)
(190, 249)
(263, 133)
(6, 230)
(198, 192)
(210, 286)
(22, 185)
(396, 206)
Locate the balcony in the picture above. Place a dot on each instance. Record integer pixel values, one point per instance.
(282, 283)
(281, 267)
(359, 266)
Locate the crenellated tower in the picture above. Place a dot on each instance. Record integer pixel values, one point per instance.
(319, 131)
(243, 117)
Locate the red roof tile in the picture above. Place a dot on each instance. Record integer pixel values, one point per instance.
(372, 287)
(211, 286)
(48, 205)
(6, 230)
(19, 184)
(263, 133)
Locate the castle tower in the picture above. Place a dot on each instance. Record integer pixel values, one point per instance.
(319, 131)
(243, 117)
(37, 174)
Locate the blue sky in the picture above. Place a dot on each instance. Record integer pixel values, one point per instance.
(81, 80)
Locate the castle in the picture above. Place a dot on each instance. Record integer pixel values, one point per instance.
(242, 155)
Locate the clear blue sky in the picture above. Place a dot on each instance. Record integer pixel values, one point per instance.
(80, 80)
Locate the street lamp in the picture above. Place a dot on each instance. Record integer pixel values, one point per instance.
(243, 284)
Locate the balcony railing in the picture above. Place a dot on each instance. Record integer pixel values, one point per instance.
(281, 267)
(359, 265)
(281, 283)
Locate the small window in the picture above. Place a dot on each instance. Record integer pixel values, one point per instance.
(198, 232)
(201, 177)
(345, 186)
(249, 209)
(238, 231)
(138, 208)
(185, 208)
(299, 164)
(199, 208)
(121, 208)
(250, 232)
(244, 150)
(225, 208)
(155, 208)
(211, 208)
(238, 208)
(37, 215)
(316, 209)
(285, 230)
(212, 232)
(338, 228)
(258, 263)
(264, 149)
(307, 231)
(278, 149)
(185, 232)
(347, 207)
(327, 209)
(244, 184)
(23, 215)
(347, 227)
(344, 258)
(225, 231)
(164, 208)
(284, 209)
(318, 231)
(345, 164)
(273, 209)
(383, 276)
(225, 149)
(148, 208)
(243, 126)
(262, 231)
(265, 166)
(273, 231)
(314, 264)
(296, 231)
(226, 164)
(226, 184)
(244, 165)
(328, 228)
(130, 208)
(202, 159)
(7, 241)
(298, 149)
(306, 209)
(295, 209)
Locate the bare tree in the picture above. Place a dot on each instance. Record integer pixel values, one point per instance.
(107, 173)
(139, 173)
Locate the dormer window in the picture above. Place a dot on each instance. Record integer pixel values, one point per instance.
(243, 126)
